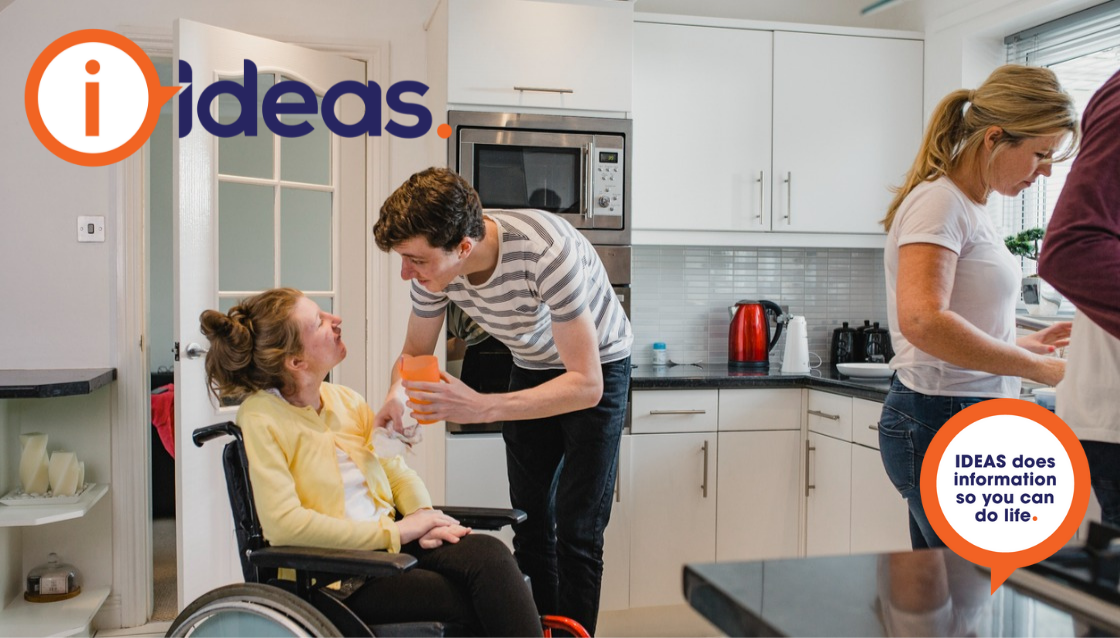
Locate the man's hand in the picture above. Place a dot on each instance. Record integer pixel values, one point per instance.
(437, 536)
(448, 400)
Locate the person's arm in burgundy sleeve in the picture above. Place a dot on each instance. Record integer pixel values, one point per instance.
(1081, 251)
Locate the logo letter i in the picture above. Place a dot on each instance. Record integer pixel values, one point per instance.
(93, 101)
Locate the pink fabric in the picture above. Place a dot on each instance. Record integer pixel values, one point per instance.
(163, 417)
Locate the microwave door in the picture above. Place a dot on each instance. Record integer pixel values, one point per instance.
(530, 169)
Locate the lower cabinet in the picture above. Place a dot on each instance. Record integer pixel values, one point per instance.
(673, 510)
(880, 520)
(829, 491)
(757, 508)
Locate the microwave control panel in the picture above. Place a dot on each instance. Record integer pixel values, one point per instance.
(608, 181)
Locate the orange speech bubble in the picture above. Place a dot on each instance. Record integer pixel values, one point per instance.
(1002, 564)
(157, 97)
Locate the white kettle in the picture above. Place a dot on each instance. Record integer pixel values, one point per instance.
(796, 357)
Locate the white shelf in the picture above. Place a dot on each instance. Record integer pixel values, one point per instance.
(27, 515)
(62, 618)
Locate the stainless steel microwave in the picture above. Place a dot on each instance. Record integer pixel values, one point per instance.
(575, 167)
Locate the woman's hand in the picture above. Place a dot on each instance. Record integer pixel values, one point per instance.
(1050, 370)
(1048, 339)
(419, 523)
(447, 400)
(437, 536)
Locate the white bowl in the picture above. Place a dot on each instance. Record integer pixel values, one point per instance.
(1046, 397)
(870, 370)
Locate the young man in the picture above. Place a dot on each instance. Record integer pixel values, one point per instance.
(533, 282)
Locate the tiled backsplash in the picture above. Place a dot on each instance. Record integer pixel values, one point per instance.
(680, 295)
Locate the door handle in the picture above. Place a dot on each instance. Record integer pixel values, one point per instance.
(761, 196)
(664, 412)
(704, 485)
(825, 415)
(194, 351)
(808, 486)
(789, 198)
(541, 89)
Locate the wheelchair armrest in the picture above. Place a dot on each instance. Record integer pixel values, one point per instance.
(202, 435)
(342, 562)
(483, 517)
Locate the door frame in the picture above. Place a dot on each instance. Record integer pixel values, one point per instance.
(131, 602)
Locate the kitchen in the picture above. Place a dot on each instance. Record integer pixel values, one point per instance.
(679, 281)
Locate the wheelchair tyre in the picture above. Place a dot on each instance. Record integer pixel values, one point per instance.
(251, 609)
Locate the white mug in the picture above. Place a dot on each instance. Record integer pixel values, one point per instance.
(796, 359)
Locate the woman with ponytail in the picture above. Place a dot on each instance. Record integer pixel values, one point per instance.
(952, 285)
(317, 481)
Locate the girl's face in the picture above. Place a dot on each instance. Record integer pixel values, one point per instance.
(321, 335)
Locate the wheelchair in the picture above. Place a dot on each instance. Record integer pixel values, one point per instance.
(265, 605)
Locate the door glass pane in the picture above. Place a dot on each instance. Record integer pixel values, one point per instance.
(245, 237)
(306, 158)
(305, 239)
(241, 155)
(225, 303)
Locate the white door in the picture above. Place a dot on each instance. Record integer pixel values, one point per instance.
(759, 497)
(829, 503)
(672, 513)
(880, 518)
(252, 213)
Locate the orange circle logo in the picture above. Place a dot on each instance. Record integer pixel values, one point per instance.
(1005, 484)
(93, 97)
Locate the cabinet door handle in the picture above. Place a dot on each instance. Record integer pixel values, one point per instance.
(789, 198)
(704, 485)
(761, 196)
(808, 486)
(618, 478)
(873, 426)
(664, 412)
(541, 89)
(825, 415)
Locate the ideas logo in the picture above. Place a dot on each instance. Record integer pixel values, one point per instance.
(93, 98)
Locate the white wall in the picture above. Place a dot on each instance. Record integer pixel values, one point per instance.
(60, 295)
(964, 39)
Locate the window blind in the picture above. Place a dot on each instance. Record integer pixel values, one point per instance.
(1074, 36)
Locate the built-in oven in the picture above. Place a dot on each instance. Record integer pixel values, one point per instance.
(575, 167)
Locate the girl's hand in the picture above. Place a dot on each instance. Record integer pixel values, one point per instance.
(448, 533)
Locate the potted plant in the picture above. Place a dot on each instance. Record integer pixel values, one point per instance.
(1025, 244)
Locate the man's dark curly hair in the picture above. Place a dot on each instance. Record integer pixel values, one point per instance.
(436, 204)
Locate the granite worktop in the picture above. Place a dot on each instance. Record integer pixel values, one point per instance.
(46, 383)
(719, 376)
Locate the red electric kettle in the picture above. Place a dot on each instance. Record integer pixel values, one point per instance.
(748, 340)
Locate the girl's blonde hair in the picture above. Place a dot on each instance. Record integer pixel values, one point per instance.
(250, 343)
(1023, 101)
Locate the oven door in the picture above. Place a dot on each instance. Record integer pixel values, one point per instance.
(549, 171)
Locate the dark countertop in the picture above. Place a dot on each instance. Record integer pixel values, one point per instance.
(42, 384)
(865, 595)
(718, 375)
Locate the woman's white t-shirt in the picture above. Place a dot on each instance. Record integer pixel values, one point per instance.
(986, 286)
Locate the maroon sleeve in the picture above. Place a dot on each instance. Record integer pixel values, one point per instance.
(1081, 252)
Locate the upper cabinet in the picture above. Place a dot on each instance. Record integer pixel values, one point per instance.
(753, 131)
(539, 54)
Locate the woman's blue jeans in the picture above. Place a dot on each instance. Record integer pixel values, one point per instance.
(906, 428)
(561, 473)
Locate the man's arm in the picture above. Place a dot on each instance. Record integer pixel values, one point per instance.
(578, 388)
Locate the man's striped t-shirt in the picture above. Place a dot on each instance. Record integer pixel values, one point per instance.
(547, 271)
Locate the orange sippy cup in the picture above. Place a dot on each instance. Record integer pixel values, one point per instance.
(422, 368)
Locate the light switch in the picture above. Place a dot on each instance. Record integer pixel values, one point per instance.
(91, 228)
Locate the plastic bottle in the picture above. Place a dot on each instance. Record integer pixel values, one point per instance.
(422, 368)
(660, 354)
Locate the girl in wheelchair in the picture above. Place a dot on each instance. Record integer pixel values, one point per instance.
(318, 482)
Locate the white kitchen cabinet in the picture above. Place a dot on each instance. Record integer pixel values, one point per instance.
(847, 124)
(777, 131)
(673, 512)
(828, 495)
(880, 520)
(476, 476)
(538, 53)
(701, 128)
(758, 499)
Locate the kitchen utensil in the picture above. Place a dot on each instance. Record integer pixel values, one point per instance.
(877, 345)
(422, 368)
(860, 352)
(867, 370)
(748, 340)
(1046, 397)
(796, 357)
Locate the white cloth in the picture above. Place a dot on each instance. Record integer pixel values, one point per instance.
(359, 502)
(986, 286)
(1092, 375)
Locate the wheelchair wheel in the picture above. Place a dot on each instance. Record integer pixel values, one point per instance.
(251, 609)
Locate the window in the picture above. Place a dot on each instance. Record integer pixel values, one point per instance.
(1083, 49)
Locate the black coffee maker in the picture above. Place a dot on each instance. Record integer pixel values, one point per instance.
(877, 345)
(843, 348)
